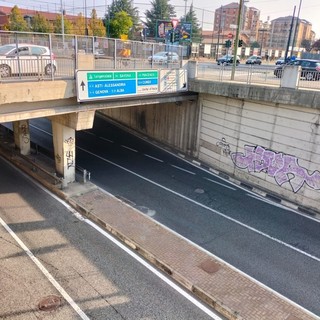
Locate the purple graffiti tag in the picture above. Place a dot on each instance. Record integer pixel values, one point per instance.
(245, 160)
(282, 167)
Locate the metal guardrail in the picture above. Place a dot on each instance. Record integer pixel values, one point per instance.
(264, 75)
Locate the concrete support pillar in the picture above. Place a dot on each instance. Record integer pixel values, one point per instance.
(192, 69)
(64, 145)
(22, 136)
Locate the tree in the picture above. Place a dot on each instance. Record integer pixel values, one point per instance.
(120, 24)
(306, 44)
(316, 45)
(191, 17)
(161, 10)
(40, 24)
(96, 27)
(16, 21)
(121, 6)
(79, 26)
(57, 26)
(255, 44)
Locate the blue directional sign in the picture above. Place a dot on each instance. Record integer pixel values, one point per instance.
(92, 85)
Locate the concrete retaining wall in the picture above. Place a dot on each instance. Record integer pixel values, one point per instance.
(173, 124)
(271, 146)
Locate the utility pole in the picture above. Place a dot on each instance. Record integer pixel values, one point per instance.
(236, 40)
(219, 31)
(85, 18)
(290, 33)
(62, 23)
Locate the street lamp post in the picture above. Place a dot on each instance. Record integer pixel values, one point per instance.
(236, 40)
(85, 18)
(219, 31)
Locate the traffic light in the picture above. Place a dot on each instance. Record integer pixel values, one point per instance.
(228, 43)
(240, 43)
(176, 36)
(172, 36)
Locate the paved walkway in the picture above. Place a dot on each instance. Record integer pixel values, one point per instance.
(228, 291)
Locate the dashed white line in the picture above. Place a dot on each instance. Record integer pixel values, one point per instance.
(219, 183)
(45, 272)
(179, 168)
(128, 148)
(105, 139)
(205, 207)
(151, 157)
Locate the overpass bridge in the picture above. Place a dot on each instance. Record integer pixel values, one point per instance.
(266, 135)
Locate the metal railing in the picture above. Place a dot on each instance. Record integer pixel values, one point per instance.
(109, 54)
(265, 75)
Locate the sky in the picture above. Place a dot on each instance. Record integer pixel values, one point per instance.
(269, 9)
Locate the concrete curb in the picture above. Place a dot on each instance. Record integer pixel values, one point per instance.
(149, 256)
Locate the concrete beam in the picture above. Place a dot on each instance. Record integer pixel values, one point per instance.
(77, 120)
(263, 93)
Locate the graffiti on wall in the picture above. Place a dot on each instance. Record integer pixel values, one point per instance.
(69, 152)
(282, 167)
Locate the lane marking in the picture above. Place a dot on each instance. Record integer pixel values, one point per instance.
(182, 169)
(105, 139)
(219, 183)
(128, 148)
(45, 272)
(151, 157)
(204, 206)
(81, 218)
(181, 157)
(133, 254)
(154, 271)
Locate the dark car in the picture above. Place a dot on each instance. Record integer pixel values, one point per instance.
(227, 60)
(254, 60)
(310, 69)
(280, 61)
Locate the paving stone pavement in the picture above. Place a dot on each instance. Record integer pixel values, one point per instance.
(225, 289)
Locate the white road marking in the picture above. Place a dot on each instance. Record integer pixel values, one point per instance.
(105, 139)
(205, 207)
(153, 157)
(45, 272)
(115, 241)
(155, 271)
(179, 168)
(80, 217)
(219, 183)
(279, 205)
(128, 148)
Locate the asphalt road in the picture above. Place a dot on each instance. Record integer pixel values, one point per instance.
(94, 277)
(272, 244)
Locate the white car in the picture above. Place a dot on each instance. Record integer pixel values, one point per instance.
(25, 58)
(164, 57)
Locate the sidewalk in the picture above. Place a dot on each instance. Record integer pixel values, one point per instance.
(228, 291)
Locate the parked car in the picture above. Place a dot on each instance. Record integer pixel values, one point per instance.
(310, 69)
(26, 59)
(227, 60)
(280, 61)
(254, 60)
(164, 57)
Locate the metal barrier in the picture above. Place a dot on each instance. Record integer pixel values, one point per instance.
(63, 54)
(265, 75)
